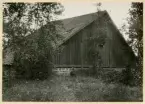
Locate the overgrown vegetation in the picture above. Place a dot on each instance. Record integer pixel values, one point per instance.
(129, 76)
(94, 57)
(134, 31)
(33, 50)
(31, 43)
(61, 88)
(96, 42)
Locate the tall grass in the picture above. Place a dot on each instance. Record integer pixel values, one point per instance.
(66, 88)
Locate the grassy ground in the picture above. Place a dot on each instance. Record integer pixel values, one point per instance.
(61, 88)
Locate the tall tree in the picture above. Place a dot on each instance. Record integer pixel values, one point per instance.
(135, 33)
(136, 27)
(28, 30)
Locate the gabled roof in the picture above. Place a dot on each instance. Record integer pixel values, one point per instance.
(71, 26)
(66, 27)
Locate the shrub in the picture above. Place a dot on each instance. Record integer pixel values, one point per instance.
(5, 77)
(8, 77)
(110, 75)
(32, 66)
(31, 45)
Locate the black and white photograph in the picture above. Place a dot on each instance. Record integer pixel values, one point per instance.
(73, 51)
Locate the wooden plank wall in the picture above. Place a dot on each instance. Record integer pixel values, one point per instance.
(76, 54)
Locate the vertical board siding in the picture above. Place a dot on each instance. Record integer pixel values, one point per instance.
(76, 48)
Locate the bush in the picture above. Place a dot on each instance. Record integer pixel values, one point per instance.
(28, 67)
(6, 77)
(125, 76)
(111, 75)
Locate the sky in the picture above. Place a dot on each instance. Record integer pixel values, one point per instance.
(117, 10)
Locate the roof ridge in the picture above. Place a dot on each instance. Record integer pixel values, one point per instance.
(72, 34)
(79, 16)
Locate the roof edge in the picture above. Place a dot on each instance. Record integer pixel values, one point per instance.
(120, 34)
(103, 12)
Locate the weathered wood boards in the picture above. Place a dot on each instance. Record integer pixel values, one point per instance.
(115, 52)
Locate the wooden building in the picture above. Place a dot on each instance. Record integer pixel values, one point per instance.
(76, 31)
(74, 47)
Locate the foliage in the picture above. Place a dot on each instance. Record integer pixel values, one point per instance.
(94, 56)
(5, 78)
(136, 27)
(61, 88)
(96, 43)
(28, 30)
(135, 34)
